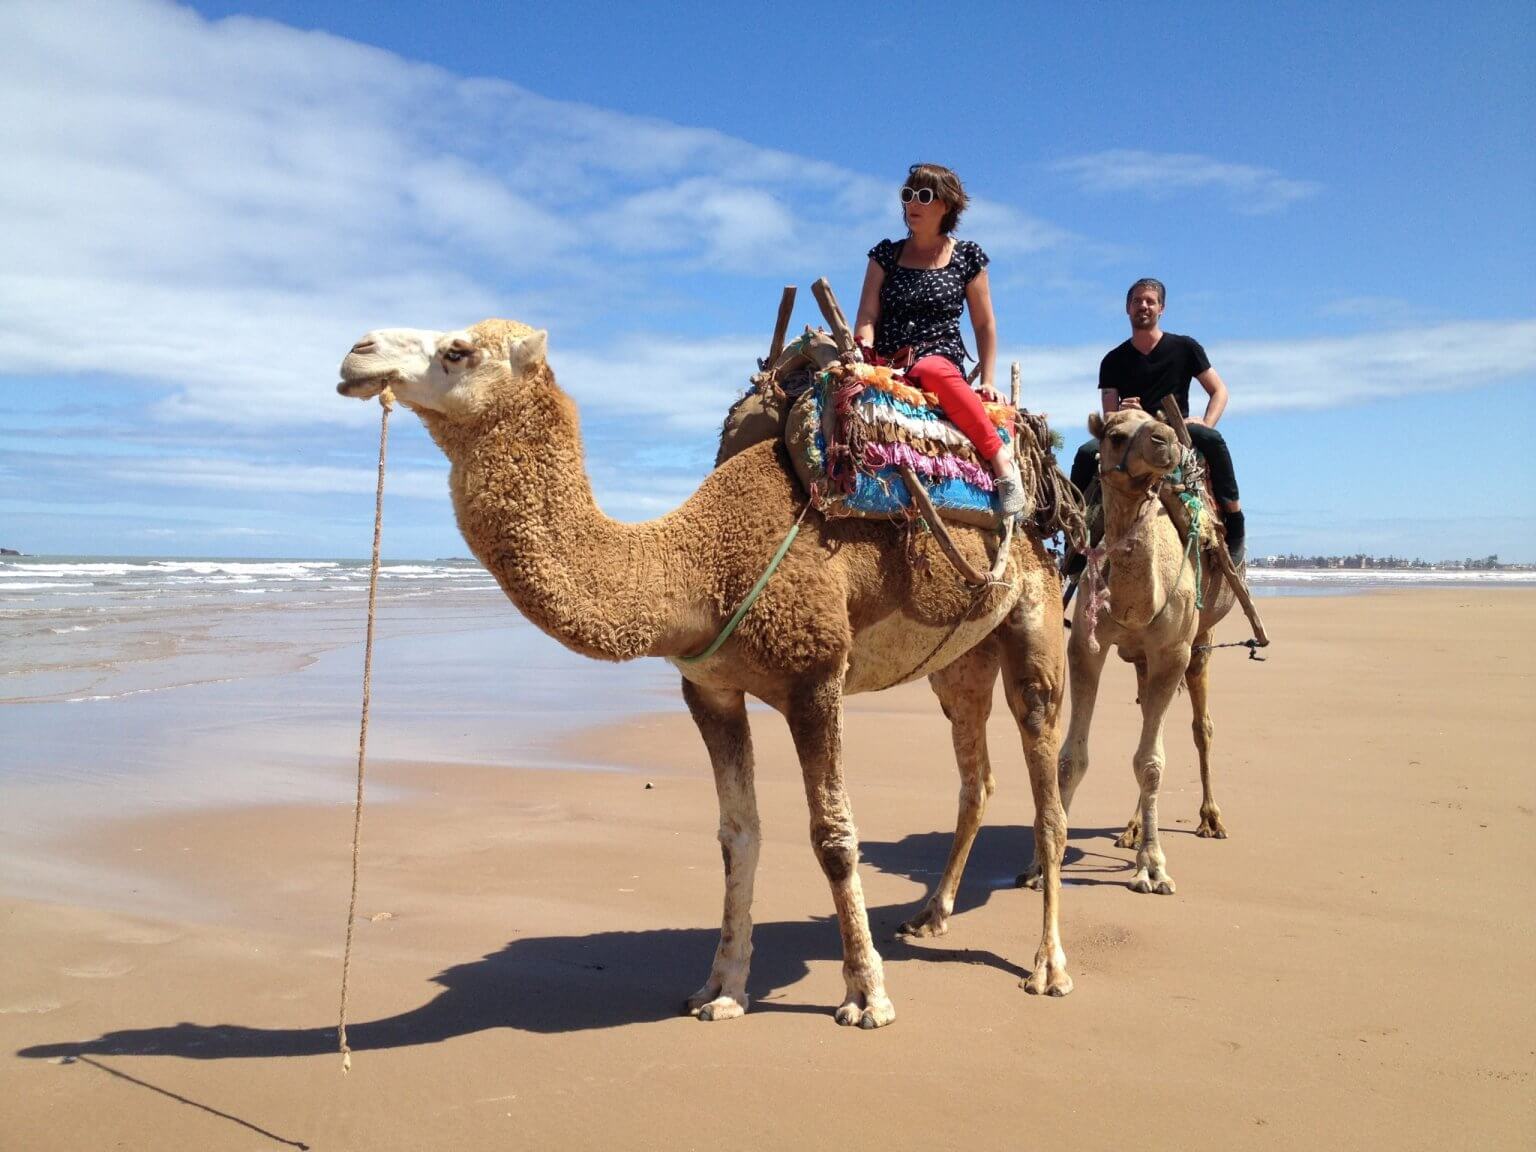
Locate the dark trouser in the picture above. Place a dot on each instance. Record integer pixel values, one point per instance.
(1208, 442)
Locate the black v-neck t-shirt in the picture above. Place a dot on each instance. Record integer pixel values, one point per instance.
(1164, 371)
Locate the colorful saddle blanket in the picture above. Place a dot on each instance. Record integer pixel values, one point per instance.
(875, 422)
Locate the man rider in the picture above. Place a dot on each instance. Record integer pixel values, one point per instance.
(1153, 364)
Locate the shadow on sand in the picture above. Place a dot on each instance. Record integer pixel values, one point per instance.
(557, 984)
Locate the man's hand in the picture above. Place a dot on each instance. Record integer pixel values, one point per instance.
(1188, 420)
(1128, 403)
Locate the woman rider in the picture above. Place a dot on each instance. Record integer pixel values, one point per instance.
(914, 292)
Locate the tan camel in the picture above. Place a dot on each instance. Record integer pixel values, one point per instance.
(1153, 620)
(846, 612)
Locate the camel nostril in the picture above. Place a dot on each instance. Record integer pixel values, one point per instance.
(364, 346)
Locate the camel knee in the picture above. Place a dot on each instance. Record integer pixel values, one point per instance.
(738, 843)
(1034, 694)
(1204, 729)
(1149, 774)
(1071, 767)
(1051, 834)
(974, 794)
(837, 850)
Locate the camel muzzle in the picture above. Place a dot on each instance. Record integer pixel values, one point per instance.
(364, 385)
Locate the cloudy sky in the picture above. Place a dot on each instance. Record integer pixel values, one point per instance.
(206, 204)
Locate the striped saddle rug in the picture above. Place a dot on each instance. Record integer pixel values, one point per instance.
(850, 434)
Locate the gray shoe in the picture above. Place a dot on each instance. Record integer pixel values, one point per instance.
(1010, 495)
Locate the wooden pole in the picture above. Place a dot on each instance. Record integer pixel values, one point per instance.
(1016, 375)
(843, 334)
(1175, 419)
(781, 326)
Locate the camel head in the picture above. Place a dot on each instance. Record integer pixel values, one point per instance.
(1134, 445)
(453, 374)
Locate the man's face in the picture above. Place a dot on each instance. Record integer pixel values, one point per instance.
(1144, 309)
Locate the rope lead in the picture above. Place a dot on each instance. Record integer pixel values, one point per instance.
(386, 402)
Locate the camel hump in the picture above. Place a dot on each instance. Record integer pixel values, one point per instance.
(759, 414)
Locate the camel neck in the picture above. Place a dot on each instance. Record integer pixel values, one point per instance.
(1141, 540)
(525, 506)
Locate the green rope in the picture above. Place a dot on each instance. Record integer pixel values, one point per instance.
(762, 582)
(1196, 509)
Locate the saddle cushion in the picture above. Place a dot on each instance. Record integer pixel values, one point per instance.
(876, 423)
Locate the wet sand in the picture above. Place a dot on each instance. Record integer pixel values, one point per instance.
(1353, 968)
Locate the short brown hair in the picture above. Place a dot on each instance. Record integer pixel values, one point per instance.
(1147, 282)
(946, 186)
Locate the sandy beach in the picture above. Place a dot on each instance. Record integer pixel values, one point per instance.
(1354, 968)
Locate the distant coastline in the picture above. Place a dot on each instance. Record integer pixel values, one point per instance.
(1359, 561)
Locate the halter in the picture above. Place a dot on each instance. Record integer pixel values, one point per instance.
(1153, 481)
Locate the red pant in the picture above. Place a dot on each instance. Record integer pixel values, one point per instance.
(940, 376)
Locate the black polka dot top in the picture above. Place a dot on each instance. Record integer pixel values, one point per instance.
(920, 307)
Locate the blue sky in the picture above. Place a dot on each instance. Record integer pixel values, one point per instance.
(206, 205)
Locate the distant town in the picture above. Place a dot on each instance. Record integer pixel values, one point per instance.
(1361, 560)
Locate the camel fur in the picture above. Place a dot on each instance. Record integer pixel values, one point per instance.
(1153, 620)
(846, 612)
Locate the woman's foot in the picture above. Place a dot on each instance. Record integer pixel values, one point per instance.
(1010, 491)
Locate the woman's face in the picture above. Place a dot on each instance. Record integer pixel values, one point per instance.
(924, 217)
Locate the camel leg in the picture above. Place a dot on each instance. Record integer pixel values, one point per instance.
(1162, 681)
(1131, 837)
(722, 719)
(964, 690)
(815, 714)
(1084, 669)
(1032, 684)
(1198, 680)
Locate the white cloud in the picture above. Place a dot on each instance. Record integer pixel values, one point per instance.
(223, 206)
(234, 475)
(1250, 189)
(1323, 372)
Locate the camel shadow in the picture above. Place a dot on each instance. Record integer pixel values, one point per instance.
(559, 984)
(552, 984)
(997, 857)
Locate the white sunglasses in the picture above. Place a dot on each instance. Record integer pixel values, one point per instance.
(921, 195)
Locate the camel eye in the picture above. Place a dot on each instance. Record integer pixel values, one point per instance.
(1117, 437)
(456, 352)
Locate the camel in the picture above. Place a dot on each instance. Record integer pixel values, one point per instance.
(1153, 620)
(846, 611)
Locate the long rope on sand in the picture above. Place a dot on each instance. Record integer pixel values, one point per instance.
(386, 402)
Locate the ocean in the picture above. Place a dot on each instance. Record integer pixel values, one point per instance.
(138, 684)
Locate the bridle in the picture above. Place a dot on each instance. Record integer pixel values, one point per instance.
(1154, 480)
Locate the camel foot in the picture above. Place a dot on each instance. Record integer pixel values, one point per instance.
(722, 1008)
(931, 921)
(1160, 883)
(1211, 827)
(1049, 977)
(1032, 877)
(1131, 837)
(873, 1010)
(712, 1002)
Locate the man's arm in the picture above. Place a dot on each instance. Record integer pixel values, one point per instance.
(1109, 400)
(1217, 391)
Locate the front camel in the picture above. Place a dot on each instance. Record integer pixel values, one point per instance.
(845, 612)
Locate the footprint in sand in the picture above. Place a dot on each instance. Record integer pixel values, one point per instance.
(28, 1007)
(101, 970)
(144, 935)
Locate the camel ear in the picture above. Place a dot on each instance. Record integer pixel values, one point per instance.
(528, 352)
(1095, 425)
